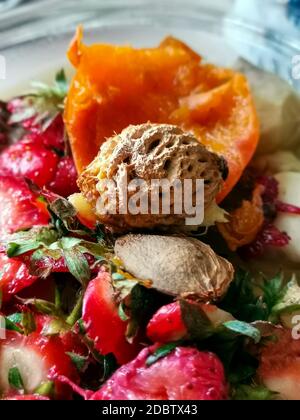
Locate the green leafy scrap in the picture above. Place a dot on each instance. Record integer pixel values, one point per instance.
(79, 361)
(47, 245)
(244, 329)
(253, 392)
(15, 379)
(161, 352)
(241, 300)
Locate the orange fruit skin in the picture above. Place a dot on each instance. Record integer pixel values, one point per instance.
(245, 223)
(115, 86)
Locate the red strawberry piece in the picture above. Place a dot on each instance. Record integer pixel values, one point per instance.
(49, 131)
(71, 341)
(14, 276)
(54, 136)
(19, 207)
(39, 359)
(51, 137)
(167, 325)
(64, 182)
(29, 160)
(102, 322)
(184, 374)
(16, 106)
(55, 266)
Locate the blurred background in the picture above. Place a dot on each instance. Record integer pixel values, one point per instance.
(265, 33)
(9, 4)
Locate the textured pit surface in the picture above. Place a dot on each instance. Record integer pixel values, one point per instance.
(151, 152)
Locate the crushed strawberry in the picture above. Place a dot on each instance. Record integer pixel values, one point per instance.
(184, 374)
(269, 236)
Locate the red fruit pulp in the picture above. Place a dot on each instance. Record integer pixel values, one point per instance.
(103, 323)
(184, 374)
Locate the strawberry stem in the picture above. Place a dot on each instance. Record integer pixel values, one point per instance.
(75, 315)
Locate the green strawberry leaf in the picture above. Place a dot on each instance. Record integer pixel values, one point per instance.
(253, 393)
(12, 326)
(241, 301)
(15, 379)
(22, 242)
(62, 83)
(289, 300)
(244, 329)
(43, 102)
(276, 298)
(15, 318)
(273, 291)
(122, 312)
(55, 327)
(46, 389)
(78, 265)
(42, 306)
(161, 352)
(28, 322)
(109, 366)
(48, 245)
(79, 361)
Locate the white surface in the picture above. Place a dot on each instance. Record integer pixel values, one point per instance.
(289, 183)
